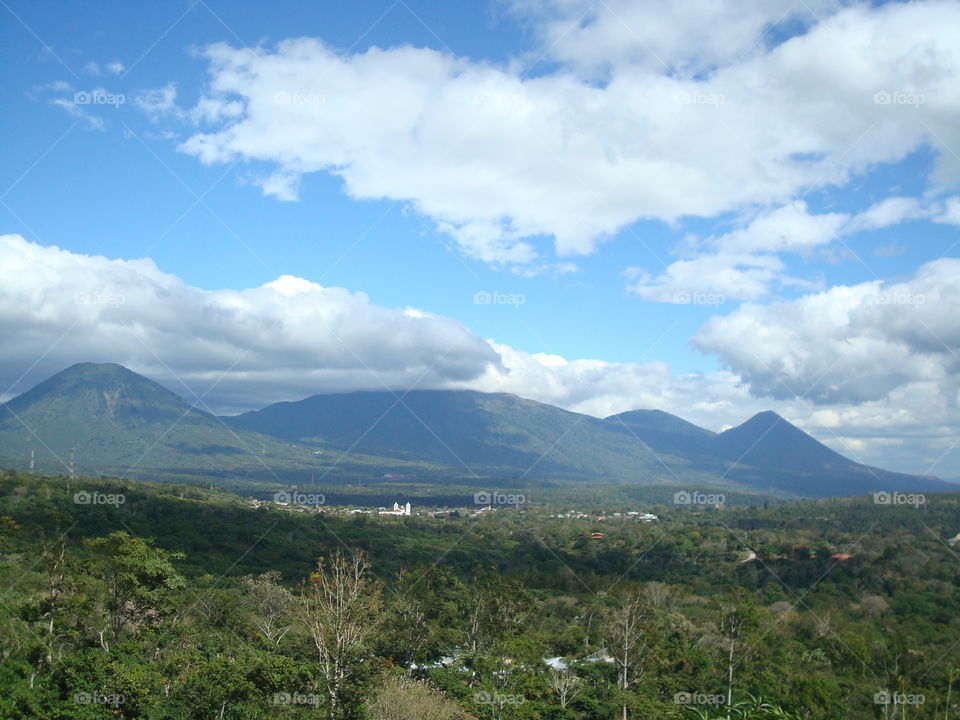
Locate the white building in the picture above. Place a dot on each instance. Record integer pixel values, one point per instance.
(397, 510)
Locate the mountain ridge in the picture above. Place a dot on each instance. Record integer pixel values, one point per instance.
(116, 417)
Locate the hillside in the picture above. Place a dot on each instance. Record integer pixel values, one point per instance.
(662, 431)
(769, 442)
(483, 433)
(113, 420)
(500, 434)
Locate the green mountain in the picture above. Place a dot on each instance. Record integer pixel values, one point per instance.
(476, 433)
(112, 420)
(500, 434)
(663, 432)
(106, 419)
(770, 442)
(767, 440)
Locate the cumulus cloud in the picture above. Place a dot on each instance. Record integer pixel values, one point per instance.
(746, 264)
(601, 388)
(891, 211)
(283, 340)
(158, 102)
(742, 264)
(688, 39)
(710, 279)
(693, 113)
(849, 343)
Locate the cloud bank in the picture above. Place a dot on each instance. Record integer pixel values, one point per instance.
(648, 113)
(869, 369)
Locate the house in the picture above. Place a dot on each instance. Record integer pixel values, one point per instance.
(556, 663)
(559, 663)
(596, 535)
(397, 510)
(841, 557)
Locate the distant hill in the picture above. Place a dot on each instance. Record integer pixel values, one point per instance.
(662, 431)
(483, 433)
(116, 421)
(769, 442)
(496, 433)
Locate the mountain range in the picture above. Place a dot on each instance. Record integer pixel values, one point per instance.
(109, 419)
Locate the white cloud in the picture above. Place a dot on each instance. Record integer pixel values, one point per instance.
(790, 228)
(891, 211)
(503, 161)
(848, 344)
(690, 38)
(742, 264)
(950, 212)
(745, 264)
(114, 67)
(285, 339)
(712, 279)
(159, 101)
(77, 111)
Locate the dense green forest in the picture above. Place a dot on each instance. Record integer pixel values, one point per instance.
(137, 600)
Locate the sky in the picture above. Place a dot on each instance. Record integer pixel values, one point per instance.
(711, 208)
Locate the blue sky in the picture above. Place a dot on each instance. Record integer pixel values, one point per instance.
(712, 212)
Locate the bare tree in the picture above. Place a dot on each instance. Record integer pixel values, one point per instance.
(823, 625)
(339, 608)
(731, 627)
(658, 594)
(565, 685)
(269, 603)
(629, 643)
(55, 559)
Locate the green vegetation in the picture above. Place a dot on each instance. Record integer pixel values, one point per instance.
(138, 600)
